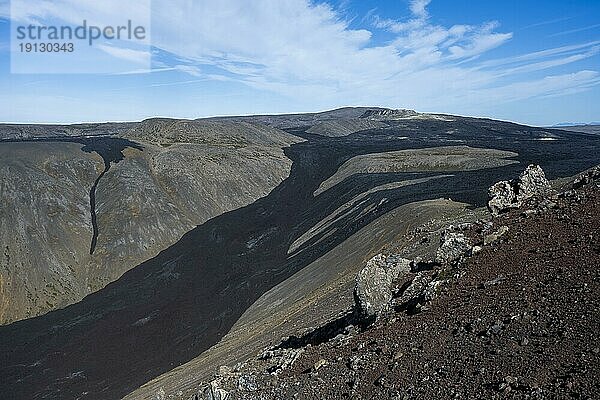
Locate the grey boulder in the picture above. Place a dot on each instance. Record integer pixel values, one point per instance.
(502, 197)
(532, 182)
(453, 246)
(214, 392)
(506, 195)
(373, 287)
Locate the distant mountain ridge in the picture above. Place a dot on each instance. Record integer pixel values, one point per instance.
(571, 124)
(167, 126)
(592, 128)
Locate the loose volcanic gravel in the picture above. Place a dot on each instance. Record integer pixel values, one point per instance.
(519, 320)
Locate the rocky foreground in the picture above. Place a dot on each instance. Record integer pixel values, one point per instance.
(507, 307)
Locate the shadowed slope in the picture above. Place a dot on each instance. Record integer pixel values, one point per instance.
(76, 221)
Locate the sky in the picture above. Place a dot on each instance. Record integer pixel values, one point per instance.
(526, 61)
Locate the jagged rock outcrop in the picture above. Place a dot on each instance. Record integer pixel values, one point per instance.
(453, 245)
(375, 293)
(532, 182)
(280, 358)
(506, 195)
(385, 113)
(373, 289)
(502, 197)
(214, 392)
(233, 383)
(414, 292)
(587, 177)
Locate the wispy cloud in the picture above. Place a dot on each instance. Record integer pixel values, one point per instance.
(308, 51)
(4, 10)
(189, 69)
(178, 83)
(550, 86)
(556, 51)
(547, 22)
(136, 56)
(556, 62)
(143, 71)
(568, 32)
(419, 8)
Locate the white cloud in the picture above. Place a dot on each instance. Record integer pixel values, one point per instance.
(106, 12)
(178, 83)
(309, 52)
(550, 86)
(4, 9)
(298, 48)
(189, 69)
(136, 56)
(556, 62)
(557, 51)
(567, 32)
(141, 71)
(418, 8)
(482, 40)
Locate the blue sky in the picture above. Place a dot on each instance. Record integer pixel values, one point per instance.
(527, 61)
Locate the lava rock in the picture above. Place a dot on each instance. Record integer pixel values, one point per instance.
(319, 364)
(506, 195)
(532, 182)
(502, 197)
(494, 237)
(453, 246)
(247, 383)
(414, 292)
(281, 358)
(587, 177)
(213, 392)
(397, 266)
(373, 288)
